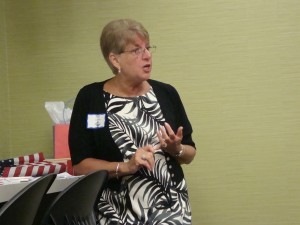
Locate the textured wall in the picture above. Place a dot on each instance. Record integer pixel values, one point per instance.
(235, 64)
(4, 87)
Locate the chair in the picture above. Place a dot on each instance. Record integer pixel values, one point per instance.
(21, 208)
(76, 204)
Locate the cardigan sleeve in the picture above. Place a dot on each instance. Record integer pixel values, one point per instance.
(86, 142)
(80, 138)
(173, 109)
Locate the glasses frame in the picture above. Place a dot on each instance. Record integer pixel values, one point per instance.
(140, 51)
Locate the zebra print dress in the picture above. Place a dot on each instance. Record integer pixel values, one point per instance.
(147, 197)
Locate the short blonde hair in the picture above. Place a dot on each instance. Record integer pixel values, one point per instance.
(117, 34)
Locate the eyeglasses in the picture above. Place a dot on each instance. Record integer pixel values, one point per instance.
(141, 51)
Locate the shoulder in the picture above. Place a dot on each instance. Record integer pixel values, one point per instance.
(159, 86)
(164, 90)
(93, 86)
(90, 98)
(92, 89)
(90, 93)
(158, 83)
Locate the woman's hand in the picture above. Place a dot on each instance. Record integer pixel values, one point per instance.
(169, 141)
(143, 157)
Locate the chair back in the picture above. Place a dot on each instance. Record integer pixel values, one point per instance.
(75, 204)
(21, 209)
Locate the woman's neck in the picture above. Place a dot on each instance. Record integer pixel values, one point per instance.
(123, 88)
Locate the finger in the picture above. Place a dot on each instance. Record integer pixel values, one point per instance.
(163, 131)
(165, 136)
(151, 162)
(156, 147)
(148, 162)
(160, 137)
(180, 132)
(168, 128)
(150, 149)
(147, 157)
(162, 142)
(171, 133)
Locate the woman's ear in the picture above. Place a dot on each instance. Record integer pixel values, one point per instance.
(114, 59)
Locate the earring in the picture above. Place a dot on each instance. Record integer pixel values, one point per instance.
(119, 70)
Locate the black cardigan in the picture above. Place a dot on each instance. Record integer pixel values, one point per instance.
(98, 143)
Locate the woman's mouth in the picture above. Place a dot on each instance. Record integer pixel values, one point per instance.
(147, 68)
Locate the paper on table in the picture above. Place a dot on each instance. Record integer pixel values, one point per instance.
(65, 175)
(15, 180)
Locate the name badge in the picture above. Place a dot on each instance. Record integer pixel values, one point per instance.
(95, 121)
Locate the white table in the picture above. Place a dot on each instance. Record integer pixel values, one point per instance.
(9, 190)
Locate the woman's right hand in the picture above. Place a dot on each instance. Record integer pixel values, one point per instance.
(143, 157)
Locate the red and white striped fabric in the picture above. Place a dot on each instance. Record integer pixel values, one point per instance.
(38, 169)
(30, 165)
(33, 158)
(21, 160)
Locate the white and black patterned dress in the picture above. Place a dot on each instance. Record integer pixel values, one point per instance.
(147, 197)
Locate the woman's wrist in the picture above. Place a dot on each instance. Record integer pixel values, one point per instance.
(117, 170)
(180, 152)
(122, 169)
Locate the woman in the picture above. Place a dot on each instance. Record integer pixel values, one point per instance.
(136, 129)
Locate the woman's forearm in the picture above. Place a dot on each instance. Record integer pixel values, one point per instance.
(187, 155)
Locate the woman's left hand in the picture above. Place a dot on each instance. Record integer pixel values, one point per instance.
(169, 140)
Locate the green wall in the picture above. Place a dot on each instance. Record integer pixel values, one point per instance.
(4, 87)
(234, 62)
